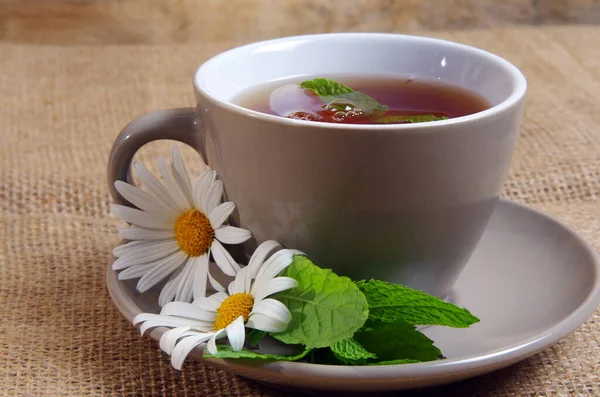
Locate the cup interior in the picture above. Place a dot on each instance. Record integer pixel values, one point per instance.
(228, 74)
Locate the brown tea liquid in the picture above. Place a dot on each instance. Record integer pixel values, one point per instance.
(403, 96)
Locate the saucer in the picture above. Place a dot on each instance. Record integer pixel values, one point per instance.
(531, 281)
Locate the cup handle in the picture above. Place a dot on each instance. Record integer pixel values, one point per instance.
(177, 124)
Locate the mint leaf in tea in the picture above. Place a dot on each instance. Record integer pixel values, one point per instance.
(343, 101)
(363, 100)
(414, 118)
(326, 87)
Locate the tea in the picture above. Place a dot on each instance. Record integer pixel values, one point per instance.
(362, 100)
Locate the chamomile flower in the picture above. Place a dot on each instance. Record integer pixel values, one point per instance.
(244, 305)
(177, 227)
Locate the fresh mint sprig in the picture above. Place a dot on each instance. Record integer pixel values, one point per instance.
(350, 352)
(329, 90)
(339, 322)
(398, 341)
(390, 302)
(226, 351)
(325, 307)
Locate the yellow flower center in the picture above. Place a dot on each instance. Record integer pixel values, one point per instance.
(236, 305)
(193, 233)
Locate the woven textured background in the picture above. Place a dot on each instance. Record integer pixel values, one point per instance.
(60, 109)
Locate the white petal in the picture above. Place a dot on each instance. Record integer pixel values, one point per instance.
(141, 218)
(154, 251)
(184, 289)
(220, 214)
(218, 297)
(274, 309)
(231, 288)
(167, 294)
(156, 320)
(247, 282)
(223, 259)
(274, 265)
(135, 271)
(261, 291)
(187, 310)
(212, 302)
(158, 273)
(147, 317)
(143, 200)
(200, 274)
(201, 186)
(140, 233)
(241, 282)
(169, 339)
(134, 248)
(154, 186)
(214, 283)
(232, 234)
(129, 247)
(265, 323)
(259, 255)
(184, 347)
(183, 188)
(236, 333)
(212, 345)
(213, 196)
(153, 324)
(172, 186)
(181, 174)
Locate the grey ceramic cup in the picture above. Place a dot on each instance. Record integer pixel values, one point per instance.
(405, 203)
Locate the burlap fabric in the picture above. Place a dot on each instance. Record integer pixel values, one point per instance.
(60, 109)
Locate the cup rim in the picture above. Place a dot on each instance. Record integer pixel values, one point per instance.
(512, 100)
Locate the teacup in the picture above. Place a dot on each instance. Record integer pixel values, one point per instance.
(406, 203)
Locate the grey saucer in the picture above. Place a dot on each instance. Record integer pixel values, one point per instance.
(531, 281)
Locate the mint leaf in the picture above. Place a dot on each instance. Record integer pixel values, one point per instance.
(395, 362)
(416, 118)
(350, 352)
(225, 351)
(254, 336)
(325, 307)
(398, 341)
(390, 302)
(360, 100)
(325, 87)
(329, 90)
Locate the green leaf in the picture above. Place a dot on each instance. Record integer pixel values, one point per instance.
(415, 118)
(395, 362)
(390, 302)
(225, 351)
(366, 103)
(325, 87)
(325, 307)
(329, 90)
(254, 336)
(350, 352)
(398, 341)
